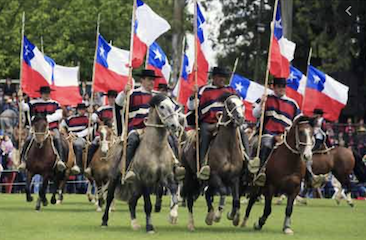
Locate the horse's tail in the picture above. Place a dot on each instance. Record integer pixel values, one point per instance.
(360, 167)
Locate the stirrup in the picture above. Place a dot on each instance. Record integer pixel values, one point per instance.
(61, 166)
(75, 170)
(130, 177)
(254, 165)
(204, 173)
(180, 173)
(260, 179)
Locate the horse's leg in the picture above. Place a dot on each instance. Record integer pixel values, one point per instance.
(267, 209)
(110, 195)
(89, 191)
(100, 195)
(190, 202)
(174, 202)
(210, 209)
(132, 207)
(28, 186)
(290, 204)
(148, 210)
(252, 198)
(42, 192)
(220, 208)
(159, 198)
(235, 212)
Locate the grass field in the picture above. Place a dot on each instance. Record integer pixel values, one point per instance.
(76, 219)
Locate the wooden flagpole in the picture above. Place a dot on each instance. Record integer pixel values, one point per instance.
(181, 66)
(307, 77)
(20, 120)
(196, 86)
(147, 56)
(93, 79)
(234, 70)
(127, 99)
(266, 82)
(42, 45)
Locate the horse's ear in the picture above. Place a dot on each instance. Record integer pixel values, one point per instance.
(157, 99)
(312, 121)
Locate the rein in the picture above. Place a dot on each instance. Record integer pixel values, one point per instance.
(229, 113)
(298, 143)
(46, 134)
(162, 119)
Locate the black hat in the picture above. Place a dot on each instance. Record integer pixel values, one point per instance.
(81, 106)
(164, 86)
(147, 73)
(111, 93)
(45, 89)
(318, 111)
(220, 71)
(279, 81)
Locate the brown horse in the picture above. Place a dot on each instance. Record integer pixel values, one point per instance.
(100, 165)
(41, 159)
(225, 158)
(341, 162)
(285, 170)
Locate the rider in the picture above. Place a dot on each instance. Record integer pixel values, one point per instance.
(280, 112)
(77, 125)
(208, 106)
(138, 112)
(103, 115)
(319, 129)
(52, 108)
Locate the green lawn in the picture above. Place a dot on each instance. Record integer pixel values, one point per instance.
(77, 219)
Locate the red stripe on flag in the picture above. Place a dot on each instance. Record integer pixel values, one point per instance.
(138, 53)
(108, 80)
(249, 112)
(295, 95)
(158, 72)
(32, 81)
(279, 65)
(66, 95)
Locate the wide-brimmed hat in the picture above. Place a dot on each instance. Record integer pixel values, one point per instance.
(111, 93)
(147, 73)
(318, 111)
(220, 72)
(279, 81)
(45, 89)
(81, 106)
(163, 86)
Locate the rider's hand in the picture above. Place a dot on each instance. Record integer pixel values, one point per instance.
(128, 87)
(264, 99)
(20, 95)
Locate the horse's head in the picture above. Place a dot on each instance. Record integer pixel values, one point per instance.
(106, 133)
(167, 112)
(302, 132)
(233, 109)
(40, 127)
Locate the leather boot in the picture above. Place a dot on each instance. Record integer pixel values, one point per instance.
(91, 151)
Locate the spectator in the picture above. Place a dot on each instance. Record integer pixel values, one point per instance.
(349, 129)
(6, 159)
(9, 88)
(84, 89)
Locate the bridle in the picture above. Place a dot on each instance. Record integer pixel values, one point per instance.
(298, 142)
(162, 119)
(45, 133)
(228, 111)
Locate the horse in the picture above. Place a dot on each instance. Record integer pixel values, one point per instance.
(100, 165)
(285, 169)
(41, 159)
(153, 162)
(226, 161)
(341, 162)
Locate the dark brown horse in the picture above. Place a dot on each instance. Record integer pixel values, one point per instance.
(285, 170)
(225, 158)
(41, 159)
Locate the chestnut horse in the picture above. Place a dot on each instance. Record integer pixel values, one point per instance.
(285, 170)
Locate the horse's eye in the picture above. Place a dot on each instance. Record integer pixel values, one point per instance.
(162, 107)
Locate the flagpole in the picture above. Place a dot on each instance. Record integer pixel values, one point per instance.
(127, 103)
(266, 82)
(307, 77)
(147, 56)
(20, 120)
(234, 70)
(93, 79)
(42, 45)
(196, 86)
(181, 66)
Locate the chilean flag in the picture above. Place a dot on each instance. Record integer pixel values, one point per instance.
(324, 92)
(250, 92)
(158, 62)
(39, 70)
(111, 67)
(282, 51)
(148, 27)
(296, 84)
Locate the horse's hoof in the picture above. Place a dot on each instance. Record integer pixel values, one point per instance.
(150, 229)
(173, 220)
(30, 199)
(104, 224)
(244, 223)
(58, 202)
(229, 216)
(99, 209)
(134, 225)
(257, 226)
(38, 208)
(236, 219)
(351, 204)
(53, 200)
(288, 231)
(157, 209)
(218, 214)
(209, 217)
(190, 227)
(45, 203)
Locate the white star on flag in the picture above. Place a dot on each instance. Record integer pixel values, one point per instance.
(292, 77)
(238, 87)
(278, 23)
(101, 51)
(316, 79)
(158, 55)
(26, 50)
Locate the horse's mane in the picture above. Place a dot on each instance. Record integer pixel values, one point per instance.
(38, 117)
(157, 99)
(302, 118)
(225, 96)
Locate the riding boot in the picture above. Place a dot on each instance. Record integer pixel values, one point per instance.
(179, 170)
(133, 142)
(245, 142)
(60, 163)
(260, 178)
(91, 151)
(76, 169)
(204, 173)
(23, 155)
